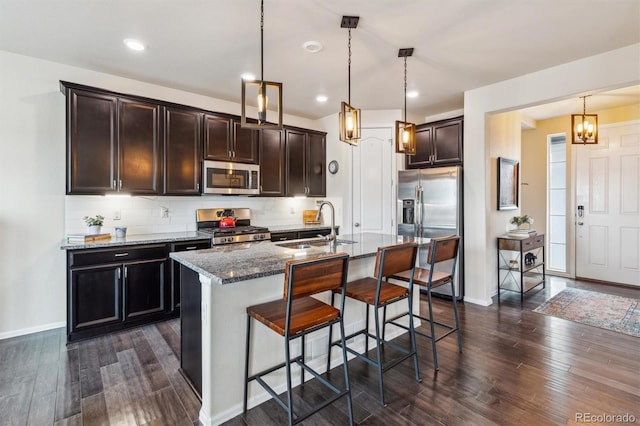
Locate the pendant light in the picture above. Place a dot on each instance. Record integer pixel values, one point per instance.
(584, 126)
(405, 131)
(349, 117)
(262, 92)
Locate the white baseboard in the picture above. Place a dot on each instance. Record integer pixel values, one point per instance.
(30, 330)
(481, 302)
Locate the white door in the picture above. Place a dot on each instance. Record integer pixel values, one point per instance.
(608, 189)
(373, 163)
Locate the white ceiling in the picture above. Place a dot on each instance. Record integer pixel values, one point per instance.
(203, 46)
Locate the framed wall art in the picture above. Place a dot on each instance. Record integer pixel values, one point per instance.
(508, 183)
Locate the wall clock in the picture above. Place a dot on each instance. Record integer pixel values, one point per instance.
(333, 167)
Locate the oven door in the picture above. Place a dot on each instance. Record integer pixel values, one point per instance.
(220, 177)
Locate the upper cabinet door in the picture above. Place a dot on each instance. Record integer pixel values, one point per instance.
(296, 163)
(422, 157)
(272, 160)
(217, 137)
(91, 142)
(182, 151)
(225, 140)
(437, 144)
(139, 147)
(447, 142)
(316, 160)
(245, 144)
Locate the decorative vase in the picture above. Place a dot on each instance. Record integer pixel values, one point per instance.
(525, 226)
(94, 230)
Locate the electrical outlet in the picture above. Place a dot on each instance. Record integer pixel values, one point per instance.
(164, 212)
(117, 215)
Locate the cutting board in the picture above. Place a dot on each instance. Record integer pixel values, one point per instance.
(309, 217)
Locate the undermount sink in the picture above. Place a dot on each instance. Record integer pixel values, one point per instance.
(312, 243)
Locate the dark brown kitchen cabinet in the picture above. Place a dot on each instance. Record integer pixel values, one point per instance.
(115, 288)
(174, 304)
(91, 142)
(226, 140)
(305, 163)
(182, 151)
(437, 144)
(113, 143)
(139, 147)
(272, 160)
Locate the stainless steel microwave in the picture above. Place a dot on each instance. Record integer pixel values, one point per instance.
(220, 177)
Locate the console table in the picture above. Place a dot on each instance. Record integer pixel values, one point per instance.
(520, 263)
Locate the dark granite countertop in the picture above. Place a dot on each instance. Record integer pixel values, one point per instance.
(244, 261)
(165, 237)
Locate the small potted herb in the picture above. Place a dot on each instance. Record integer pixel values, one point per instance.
(94, 224)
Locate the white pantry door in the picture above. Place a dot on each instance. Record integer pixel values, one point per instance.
(373, 176)
(608, 188)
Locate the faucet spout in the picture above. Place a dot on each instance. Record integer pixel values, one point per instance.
(332, 235)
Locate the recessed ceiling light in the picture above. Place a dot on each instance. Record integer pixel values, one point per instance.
(412, 94)
(321, 98)
(134, 44)
(312, 46)
(247, 76)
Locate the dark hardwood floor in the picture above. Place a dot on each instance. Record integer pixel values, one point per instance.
(517, 367)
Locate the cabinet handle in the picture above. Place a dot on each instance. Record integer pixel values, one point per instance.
(125, 272)
(120, 185)
(119, 273)
(115, 186)
(121, 254)
(198, 187)
(191, 248)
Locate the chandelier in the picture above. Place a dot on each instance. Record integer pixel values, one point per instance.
(584, 126)
(259, 91)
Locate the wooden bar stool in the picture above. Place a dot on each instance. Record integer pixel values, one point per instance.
(376, 292)
(298, 314)
(441, 250)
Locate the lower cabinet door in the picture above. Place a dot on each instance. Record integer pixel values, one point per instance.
(95, 296)
(144, 287)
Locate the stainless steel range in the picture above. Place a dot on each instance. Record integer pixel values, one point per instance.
(228, 226)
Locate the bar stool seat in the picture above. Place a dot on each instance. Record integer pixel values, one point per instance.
(296, 315)
(441, 251)
(305, 314)
(378, 293)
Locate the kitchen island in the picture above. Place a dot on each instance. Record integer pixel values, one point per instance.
(217, 286)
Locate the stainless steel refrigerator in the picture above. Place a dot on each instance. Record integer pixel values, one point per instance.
(430, 205)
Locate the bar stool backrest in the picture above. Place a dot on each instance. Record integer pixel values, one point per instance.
(306, 277)
(443, 249)
(394, 259)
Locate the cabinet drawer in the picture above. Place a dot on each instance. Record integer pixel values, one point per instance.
(191, 245)
(525, 244)
(532, 242)
(283, 236)
(120, 254)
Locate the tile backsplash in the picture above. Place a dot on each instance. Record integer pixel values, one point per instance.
(144, 215)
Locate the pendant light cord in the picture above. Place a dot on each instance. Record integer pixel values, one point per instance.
(405, 89)
(349, 70)
(261, 40)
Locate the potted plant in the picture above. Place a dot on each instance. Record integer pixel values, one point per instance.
(520, 221)
(94, 224)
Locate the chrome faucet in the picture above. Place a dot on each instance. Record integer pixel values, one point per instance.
(332, 236)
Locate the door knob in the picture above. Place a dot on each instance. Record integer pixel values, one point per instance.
(580, 223)
(357, 224)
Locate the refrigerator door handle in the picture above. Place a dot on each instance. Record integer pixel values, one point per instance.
(418, 208)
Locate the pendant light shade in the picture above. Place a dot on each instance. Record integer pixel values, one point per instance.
(265, 97)
(349, 117)
(584, 126)
(405, 131)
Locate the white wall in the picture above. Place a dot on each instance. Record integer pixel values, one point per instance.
(617, 68)
(32, 188)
